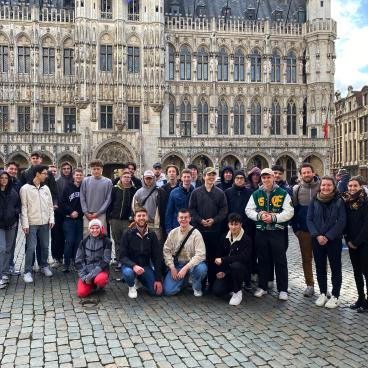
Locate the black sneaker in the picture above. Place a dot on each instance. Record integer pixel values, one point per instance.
(358, 304)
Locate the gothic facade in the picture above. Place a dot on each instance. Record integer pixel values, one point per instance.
(206, 81)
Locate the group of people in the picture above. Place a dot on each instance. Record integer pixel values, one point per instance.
(175, 229)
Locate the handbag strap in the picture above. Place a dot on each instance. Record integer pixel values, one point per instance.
(183, 242)
(149, 195)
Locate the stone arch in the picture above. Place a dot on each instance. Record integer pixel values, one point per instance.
(316, 162)
(133, 39)
(68, 42)
(113, 154)
(2, 162)
(47, 158)
(4, 39)
(48, 40)
(21, 158)
(173, 158)
(106, 38)
(230, 159)
(259, 160)
(289, 164)
(67, 157)
(23, 39)
(202, 160)
(188, 46)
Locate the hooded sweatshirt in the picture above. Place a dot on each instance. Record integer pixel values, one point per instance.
(9, 205)
(63, 180)
(255, 170)
(223, 185)
(150, 204)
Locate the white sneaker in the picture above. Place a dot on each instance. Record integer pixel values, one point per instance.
(270, 284)
(197, 293)
(309, 291)
(283, 295)
(321, 300)
(259, 293)
(137, 284)
(46, 271)
(236, 298)
(27, 277)
(132, 293)
(332, 303)
(3, 284)
(5, 279)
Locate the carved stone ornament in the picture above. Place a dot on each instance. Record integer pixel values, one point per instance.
(114, 153)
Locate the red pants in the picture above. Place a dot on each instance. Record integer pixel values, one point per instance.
(83, 289)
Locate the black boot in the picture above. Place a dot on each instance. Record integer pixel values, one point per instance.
(364, 307)
(358, 303)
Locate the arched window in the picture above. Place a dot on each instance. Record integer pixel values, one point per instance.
(291, 118)
(305, 117)
(185, 119)
(222, 118)
(171, 63)
(133, 10)
(239, 71)
(202, 117)
(275, 119)
(222, 66)
(291, 68)
(255, 119)
(275, 67)
(172, 117)
(185, 64)
(202, 64)
(239, 113)
(290, 168)
(256, 65)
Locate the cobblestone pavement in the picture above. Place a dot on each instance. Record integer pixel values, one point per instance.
(46, 325)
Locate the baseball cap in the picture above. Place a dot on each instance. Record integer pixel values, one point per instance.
(267, 171)
(209, 170)
(149, 173)
(156, 165)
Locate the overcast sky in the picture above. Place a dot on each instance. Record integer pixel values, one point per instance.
(351, 43)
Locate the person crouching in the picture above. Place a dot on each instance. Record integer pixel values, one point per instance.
(233, 257)
(93, 259)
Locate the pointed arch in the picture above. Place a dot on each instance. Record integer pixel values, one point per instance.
(291, 118)
(255, 118)
(202, 116)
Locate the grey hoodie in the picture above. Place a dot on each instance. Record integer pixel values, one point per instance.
(150, 204)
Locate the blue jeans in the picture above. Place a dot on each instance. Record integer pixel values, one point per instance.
(147, 278)
(73, 234)
(6, 242)
(12, 251)
(198, 273)
(42, 232)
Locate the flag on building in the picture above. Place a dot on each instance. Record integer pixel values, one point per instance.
(325, 128)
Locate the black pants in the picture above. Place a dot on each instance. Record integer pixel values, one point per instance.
(359, 261)
(272, 264)
(57, 237)
(211, 240)
(332, 251)
(232, 281)
(271, 249)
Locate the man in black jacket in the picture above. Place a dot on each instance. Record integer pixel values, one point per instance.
(227, 178)
(139, 251)
(232, 259)
(132, 167)
(71, 209)
(208, 207)
(119, 212)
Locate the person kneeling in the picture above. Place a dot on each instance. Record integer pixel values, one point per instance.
(93, 259)
(185, 254)
(139, 249)
(233, 258)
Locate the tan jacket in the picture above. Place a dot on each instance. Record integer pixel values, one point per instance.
(37, 206)
(194, 247)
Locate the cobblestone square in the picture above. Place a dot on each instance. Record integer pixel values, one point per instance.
(45, 325)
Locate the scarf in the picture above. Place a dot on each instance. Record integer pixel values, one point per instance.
(355, 201)
(141, 230)
(325, 198)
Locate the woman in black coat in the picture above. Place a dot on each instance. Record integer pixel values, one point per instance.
(9, 213)
(356, 235)
(326, 221)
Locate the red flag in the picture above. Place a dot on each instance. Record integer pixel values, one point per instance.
(325, 129)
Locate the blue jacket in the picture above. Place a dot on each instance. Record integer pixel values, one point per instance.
(342, 185)
(327, 219)
(179, 198)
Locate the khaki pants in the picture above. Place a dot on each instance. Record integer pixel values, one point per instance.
(305, 242)
(118, 227)
(102, 218)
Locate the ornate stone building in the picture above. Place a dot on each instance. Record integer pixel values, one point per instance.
(351, 132)
(207, 81)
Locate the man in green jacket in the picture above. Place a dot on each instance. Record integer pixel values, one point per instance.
(271, 208)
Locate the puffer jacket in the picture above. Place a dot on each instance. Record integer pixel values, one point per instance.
(37, 206)
(9, 206)
(93, 256)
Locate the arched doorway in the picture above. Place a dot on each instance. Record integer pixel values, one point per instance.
(67, 158)
(317, 164)
(258, 161)
(2, 163)
(46, 160)
(173, 160)
(230, 160)
(21, 161)
(202, 161)
(113, 155)
(289, 165)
